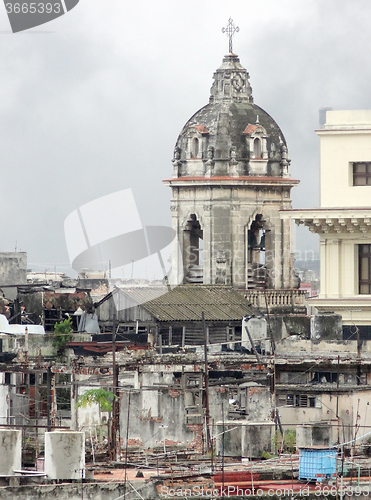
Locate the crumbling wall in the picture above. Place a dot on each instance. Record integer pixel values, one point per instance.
(4, 400)
(218, 403)
(169, 416)
(33, 303)
(13, 271)
(319, 434)
(146, 431)
(326, 326)
(244, 439)
(296, 344)
(75, 491)
(259, 405)
(283, 326)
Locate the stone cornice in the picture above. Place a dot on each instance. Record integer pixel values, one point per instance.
(232, 181)
(351, 304)
(331, 220)
(342, 131)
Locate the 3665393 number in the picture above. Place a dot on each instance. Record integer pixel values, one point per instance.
(33, 8)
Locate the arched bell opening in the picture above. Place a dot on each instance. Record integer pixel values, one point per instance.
(192, 250)
(258, 247)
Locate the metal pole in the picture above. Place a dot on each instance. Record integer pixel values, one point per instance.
(271, 338)
(223, 450)
(127, 441)
(49, 397)
(212, 446)
(337, 398)
(252, 344)
(37, 413)
(26, 343)
(207, 407)
(113, 451)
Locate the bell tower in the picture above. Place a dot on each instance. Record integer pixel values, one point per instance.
(230, 180)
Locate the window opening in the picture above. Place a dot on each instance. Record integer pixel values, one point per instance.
(195, 147)
(362, 174)
(300, 401)
(364, 263)
(257, 148)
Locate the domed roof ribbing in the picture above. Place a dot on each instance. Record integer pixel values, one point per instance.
(231, 135)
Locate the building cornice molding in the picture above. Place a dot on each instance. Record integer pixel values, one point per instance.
(341, 131)
(331, 220)
(231, 181)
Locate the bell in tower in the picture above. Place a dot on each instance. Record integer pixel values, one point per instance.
(230, 181)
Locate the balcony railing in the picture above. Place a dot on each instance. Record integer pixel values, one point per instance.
(277, 300)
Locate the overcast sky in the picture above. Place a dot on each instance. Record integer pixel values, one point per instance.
(93, 102)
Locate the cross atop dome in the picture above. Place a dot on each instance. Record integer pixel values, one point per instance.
(230, 30)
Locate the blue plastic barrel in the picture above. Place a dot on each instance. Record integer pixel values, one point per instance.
(317, 464)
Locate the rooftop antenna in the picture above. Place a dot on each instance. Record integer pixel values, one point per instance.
(230, 30)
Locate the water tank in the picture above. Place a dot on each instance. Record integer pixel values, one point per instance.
(65, 454)
(10, 451)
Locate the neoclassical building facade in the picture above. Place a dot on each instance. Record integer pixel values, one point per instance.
(343, 222)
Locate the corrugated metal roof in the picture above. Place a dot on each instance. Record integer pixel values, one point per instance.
(187, 302)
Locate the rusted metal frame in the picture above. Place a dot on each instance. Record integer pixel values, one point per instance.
(49, 398)
(252, 344)
(127, 443)
(115, 403)
(207, 407)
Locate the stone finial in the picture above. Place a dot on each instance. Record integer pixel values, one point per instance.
(210, 153)
(209, 161)
(176, 162)
(231, 81)
(285, 162)
(177, 153)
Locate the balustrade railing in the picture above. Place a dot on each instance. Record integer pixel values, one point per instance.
(287, 300)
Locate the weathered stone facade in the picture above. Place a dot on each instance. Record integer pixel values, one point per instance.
(230, 181)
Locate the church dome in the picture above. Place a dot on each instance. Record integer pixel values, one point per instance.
(231, 136)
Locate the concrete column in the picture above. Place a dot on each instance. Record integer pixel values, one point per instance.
(349, 273)
(170, 335)
(221, 244)
(323, 269)
(238, 248)
(207, 256)
(334, 268)
(276, 272)
(176, 272)
(270, 256)
(186, 246)
(286, 253)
